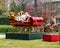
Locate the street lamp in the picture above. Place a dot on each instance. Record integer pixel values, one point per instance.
(35, 7)
(22, 5)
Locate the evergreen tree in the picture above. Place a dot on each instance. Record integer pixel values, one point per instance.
(15, 8)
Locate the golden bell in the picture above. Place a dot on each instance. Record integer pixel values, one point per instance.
(21, 13)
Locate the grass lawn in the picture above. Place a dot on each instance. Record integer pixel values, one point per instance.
(8, 43)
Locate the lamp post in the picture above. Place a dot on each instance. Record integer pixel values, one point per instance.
(22, 6)
(35, 7)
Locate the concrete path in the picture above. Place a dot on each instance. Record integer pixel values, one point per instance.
(2, 36)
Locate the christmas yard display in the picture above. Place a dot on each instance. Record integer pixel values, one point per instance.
(29, 28)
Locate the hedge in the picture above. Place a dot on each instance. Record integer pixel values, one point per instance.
(8, 28)
(4, 21)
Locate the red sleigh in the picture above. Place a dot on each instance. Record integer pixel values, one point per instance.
(33, 21)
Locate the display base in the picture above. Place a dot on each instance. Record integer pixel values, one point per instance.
(24, 36)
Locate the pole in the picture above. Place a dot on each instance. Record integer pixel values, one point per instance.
(35, 7)
(22, 5)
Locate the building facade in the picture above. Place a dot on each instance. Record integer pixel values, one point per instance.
(54, 8)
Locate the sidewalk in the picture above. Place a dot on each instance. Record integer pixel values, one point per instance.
(2, 36)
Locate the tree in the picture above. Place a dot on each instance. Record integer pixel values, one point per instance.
(15, 8)
(3, 7)
(1, 1)
(1, 4)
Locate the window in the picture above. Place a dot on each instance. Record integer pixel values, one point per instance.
(58, 20)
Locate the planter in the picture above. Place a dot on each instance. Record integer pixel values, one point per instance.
(51, 37)
(24, 36)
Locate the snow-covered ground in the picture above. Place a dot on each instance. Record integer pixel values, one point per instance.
(2, 36)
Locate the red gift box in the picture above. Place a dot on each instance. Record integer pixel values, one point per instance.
(51, 37)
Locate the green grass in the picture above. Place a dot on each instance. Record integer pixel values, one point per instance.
(8, 43)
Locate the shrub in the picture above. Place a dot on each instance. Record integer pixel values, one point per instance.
(5, 15)
(1, 11)
(8, 28)
(4, 21)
